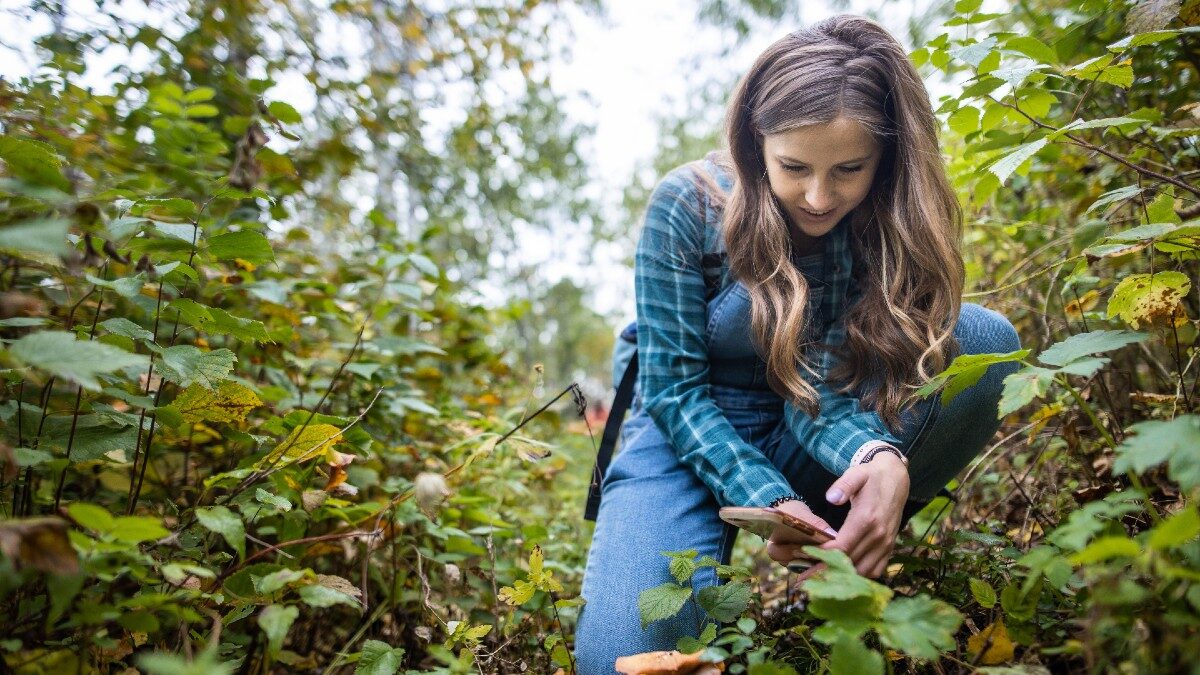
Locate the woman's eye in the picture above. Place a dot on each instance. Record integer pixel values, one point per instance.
(851, 169)
(793, 169)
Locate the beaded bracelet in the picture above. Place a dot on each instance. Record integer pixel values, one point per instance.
(786, 498)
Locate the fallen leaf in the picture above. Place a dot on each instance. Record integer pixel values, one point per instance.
(1000, 647)
(40, 543)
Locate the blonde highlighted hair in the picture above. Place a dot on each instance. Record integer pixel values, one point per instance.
(905, 236)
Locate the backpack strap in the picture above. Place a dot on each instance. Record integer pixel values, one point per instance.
(612, 430)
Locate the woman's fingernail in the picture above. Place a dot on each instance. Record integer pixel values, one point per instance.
(831, 532)
(835, 496)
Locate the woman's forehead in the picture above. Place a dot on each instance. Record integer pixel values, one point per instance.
(841, 140)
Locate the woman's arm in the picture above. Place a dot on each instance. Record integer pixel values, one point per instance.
(673, 353)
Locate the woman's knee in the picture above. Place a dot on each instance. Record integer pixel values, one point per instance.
(985, 331)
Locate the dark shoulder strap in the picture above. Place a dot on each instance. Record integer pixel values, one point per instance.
(612, 430)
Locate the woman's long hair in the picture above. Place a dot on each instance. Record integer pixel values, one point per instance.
(905, 236)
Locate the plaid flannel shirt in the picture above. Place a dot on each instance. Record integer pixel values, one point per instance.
(681, 233)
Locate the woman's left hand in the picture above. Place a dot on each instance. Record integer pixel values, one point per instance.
(877, 492)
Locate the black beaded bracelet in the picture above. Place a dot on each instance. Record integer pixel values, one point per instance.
(785, 498)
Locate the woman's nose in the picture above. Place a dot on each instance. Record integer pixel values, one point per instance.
(819, 196)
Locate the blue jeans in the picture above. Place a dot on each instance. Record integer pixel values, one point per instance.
(652, 503)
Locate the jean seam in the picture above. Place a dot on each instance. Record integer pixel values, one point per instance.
(722, 301)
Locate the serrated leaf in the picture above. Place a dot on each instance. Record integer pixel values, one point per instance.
(682, 568)
(1149, 38)
(920, 626)
(80, 361)
(662, 602)
(965, 120)
(229, 403)
(276, 621)
(185, 364)
(1006, 165)
(221, 520)
(725, 602)
(983, 593)
(247, 245)
(277, 580)
(1151, 15)
(379, 658)
(43, 235)
(1162, 208)
(94, 443)
(1085, 344)
(975, 53)
(518, 594)
(1022, 387)
(1150, 443)
(1119, 194)
(185, 232)
(965, 371)
(1148, 298)
(127, 328)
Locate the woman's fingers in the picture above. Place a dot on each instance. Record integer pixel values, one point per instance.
(846, 487)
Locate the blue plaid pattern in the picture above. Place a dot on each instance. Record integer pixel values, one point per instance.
(680, 230)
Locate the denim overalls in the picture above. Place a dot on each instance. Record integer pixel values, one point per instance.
(653, 503)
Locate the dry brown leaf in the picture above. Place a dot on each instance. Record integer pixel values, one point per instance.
(664, 663)
(40, 543)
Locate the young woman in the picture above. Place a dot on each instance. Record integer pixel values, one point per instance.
(791, 293)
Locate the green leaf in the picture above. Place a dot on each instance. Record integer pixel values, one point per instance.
(725, 602)
(682, 568)
(185, 232)
(284, 112)
(202, 110)
(771, 668)
(1096, 124)
(1033, 48)
(1148, 298)
(662, 602)
(44, 235)
(81, 361)
(248, 245)
(1085, 344)
(277, 580)
(206, 663)
(690, 645)
(169, 210)
(1107, 548)
(1006, 165)
(975, 53)
(185, 364)
(921, 626)
(1149, 38)
(965, 120)
(1117, 195)
(1021, 603)
(33, 162)
(226, 523)
(92, 516)
(851, 657)
(1149, 444)
(274, 501)
(94, 443)
(1036, 102)
(379, 658)
(983, 593)
(127, 328)
(276, 621)
(1162, 209)
(1182, 527)
(1022, 387)
(967, 6)
(316, 595)
(216, 321)
(126, 287)
(964, 371)
(136, 529)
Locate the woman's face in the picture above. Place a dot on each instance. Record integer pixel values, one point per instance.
(819, 173)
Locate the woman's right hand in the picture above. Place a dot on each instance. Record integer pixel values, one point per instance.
(784, 551)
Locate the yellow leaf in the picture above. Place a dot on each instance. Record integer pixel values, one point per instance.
(536, 558)
(230, 403)
(999, 646)
(1086, 302)
(304, 443)
(517, 594)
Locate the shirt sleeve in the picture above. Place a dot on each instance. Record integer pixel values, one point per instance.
(676, 393)
(841, 428)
